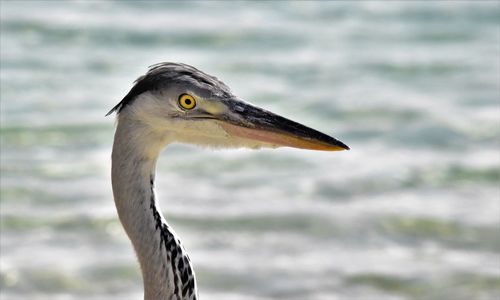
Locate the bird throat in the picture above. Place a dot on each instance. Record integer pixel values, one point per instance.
(166, 269)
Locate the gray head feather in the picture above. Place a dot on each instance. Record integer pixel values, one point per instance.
(161, 75)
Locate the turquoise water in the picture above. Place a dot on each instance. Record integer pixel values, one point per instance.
(411, 212)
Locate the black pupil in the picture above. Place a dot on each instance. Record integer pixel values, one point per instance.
(187, 101)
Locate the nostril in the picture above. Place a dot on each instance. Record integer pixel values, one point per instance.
(239, 108)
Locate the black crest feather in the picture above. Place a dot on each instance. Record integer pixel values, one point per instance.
(161, 74)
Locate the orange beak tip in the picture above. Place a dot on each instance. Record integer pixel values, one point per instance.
(338, 148)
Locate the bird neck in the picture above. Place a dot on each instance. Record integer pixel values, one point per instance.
(165, 266)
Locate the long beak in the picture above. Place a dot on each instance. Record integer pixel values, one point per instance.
(250, 122)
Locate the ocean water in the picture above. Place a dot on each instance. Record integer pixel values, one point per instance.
(411, 212)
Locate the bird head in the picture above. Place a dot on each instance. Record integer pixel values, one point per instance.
(189, 106)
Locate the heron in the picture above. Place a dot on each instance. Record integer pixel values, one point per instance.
(175, 102)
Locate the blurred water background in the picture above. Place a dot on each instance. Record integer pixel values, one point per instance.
(411, 212)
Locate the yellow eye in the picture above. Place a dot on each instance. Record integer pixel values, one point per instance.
(187, 101)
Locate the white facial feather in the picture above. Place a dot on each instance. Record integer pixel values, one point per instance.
(159, 117)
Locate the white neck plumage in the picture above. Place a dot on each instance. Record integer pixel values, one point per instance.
(166, 269)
